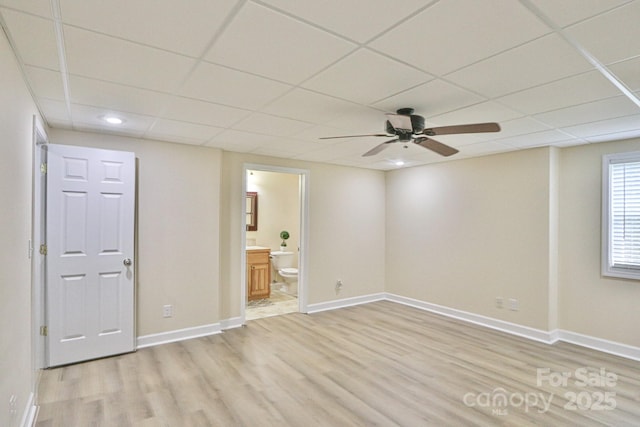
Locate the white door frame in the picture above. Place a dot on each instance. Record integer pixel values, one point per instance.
(38, 359)
(303, 262)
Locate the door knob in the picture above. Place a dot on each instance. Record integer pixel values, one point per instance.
(127, 262)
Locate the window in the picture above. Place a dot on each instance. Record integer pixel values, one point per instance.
(621, 215)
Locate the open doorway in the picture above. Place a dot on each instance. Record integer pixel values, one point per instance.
(274, 256)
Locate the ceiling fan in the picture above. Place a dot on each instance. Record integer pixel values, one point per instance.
(408, 127)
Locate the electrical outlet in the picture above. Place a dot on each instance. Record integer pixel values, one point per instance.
(167, 310)
(513, 304)
(338, 286)
(499, 302)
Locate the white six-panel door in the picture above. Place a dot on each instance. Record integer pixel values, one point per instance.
(90, 245)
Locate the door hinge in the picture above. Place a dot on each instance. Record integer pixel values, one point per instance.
(44, 331)
(43, 249)
(43, 167)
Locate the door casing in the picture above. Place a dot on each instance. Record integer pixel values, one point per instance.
(303, 262)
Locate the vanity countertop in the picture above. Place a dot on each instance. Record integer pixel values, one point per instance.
(257, 248)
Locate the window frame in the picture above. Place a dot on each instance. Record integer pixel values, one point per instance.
(607, 267)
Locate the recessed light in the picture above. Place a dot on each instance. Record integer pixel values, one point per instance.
(399, 163)
(113, 120)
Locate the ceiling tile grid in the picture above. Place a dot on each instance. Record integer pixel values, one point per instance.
(271, 77)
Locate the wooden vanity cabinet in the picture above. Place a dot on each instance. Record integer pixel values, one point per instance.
(258, 274)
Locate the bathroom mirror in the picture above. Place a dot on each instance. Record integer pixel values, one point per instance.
(252, 211)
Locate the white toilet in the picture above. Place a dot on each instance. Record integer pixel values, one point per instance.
(282, 263)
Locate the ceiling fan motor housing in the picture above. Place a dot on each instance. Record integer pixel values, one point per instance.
(417, 122)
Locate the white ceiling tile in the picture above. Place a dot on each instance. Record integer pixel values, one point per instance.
(628, 72)
(323, 154)
(238, 141)
(141, 65)
(54, 111)
(172, 130)
(165, 24)
(45, 83)
(590, 112)
(611, 36)
(380, 14)
(569, 143)
(415, 154)
(36, 7)
(404, 151)
(271, 125)
(430, 99)
(314, 134)
(116, 97)
(462, 140)
(34, 38)
(302, 104)
(222, 85)
(355, 147)
(366, 77)
(86, 117)
(454, 33)
(605, 127)
(262, 41)
(509, 128)
(567, 12)
(529, 65)
(563, 93)
(106, 58)
(97, 128)
(484, 112)
(359, 120)
(292, 145)
(536, 139)
(267, 150)
(206, 113)
(485, 148)
(616, 136)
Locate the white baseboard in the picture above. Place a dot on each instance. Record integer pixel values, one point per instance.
(30, 412)
(606, 346)
(489, 322)
(234, 322)
(178, 335)
(346, 302)
(547, 337)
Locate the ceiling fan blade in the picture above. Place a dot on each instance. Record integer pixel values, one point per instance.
(399, 121)
(435, 146)
(470, 128)
(354, 136)
(378, 148)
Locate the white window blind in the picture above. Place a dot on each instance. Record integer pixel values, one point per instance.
(621, 215)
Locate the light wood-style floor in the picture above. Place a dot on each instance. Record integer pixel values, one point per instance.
(375, 364)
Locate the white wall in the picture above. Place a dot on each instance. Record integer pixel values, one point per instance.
(461, 233)
(346, 229)
(591, 304)
(178, 228)
(16, 112)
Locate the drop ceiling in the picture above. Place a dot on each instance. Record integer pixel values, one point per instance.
(270, 77)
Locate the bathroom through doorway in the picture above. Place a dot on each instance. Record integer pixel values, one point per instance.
(274, 225)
